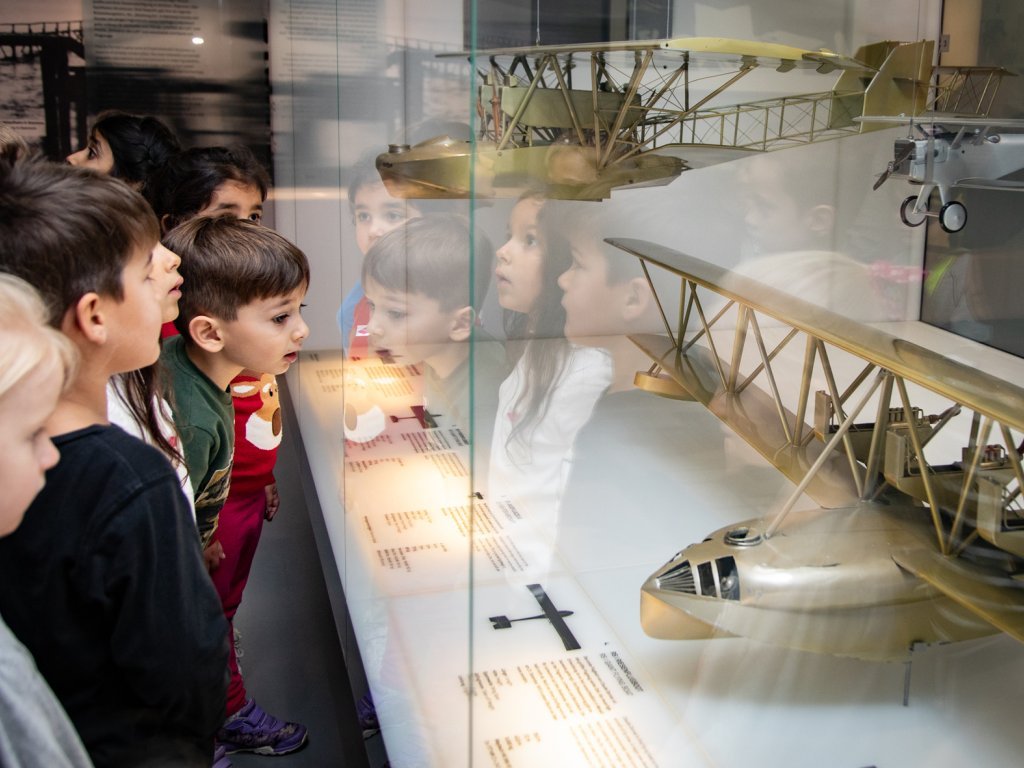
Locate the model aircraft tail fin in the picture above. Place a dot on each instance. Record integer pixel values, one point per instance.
(900, 87)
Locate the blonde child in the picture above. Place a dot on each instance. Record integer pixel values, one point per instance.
(36, 363)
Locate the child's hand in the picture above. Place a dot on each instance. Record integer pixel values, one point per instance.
(212, 555)
(273, 501)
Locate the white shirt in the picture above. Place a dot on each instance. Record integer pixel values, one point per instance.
(531, 468)
(118, 413)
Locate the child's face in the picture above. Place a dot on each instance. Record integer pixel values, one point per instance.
(411, 327)
(520, 261)
(167, 281)
(28, 452)
(133, 323)
(233, 198)
(588, 299)
(267, 334)
(375, 213)
(96, 155)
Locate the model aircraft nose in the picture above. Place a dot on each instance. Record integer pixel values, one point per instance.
(665, 621)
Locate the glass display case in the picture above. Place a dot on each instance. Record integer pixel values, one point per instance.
(647, 428)
(502, 513)
(508, 518)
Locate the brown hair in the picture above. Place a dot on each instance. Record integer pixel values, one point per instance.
(433, 255)
(68, 231)
(227, 263)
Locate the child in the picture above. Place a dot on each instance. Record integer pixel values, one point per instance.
(422, 310)
(555, 383)
(36, 362)
(129, 147)
(229, 181)
(374, 213)
(243, 289)
(135, 400)
(209, 181)
(104, 581)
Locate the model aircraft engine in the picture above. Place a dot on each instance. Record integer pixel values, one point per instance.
(829, 584)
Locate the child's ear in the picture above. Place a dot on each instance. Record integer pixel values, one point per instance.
(206, 333)
(462, 324)
(85, 318)
(637, 299)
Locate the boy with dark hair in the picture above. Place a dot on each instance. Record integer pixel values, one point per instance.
(104, 582)
(239, 310)
(424, 310)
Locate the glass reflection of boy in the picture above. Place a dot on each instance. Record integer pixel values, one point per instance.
(422, 310)
(627, 457)
(374, 213)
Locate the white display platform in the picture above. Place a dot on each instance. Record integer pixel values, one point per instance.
(423, 577)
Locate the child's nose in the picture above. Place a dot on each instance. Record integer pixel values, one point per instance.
(302, 331)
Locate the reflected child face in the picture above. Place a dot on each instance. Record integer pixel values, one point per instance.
(409, 326)
(375, 213)
(520, 261)
(590, 302)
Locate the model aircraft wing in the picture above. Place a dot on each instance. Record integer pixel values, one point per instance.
(948, 119)
(753, 417)
(957, 381)
(1003, 185)
(749, 51)
(1000, 601)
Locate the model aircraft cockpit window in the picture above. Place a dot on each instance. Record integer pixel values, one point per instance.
(715, 578)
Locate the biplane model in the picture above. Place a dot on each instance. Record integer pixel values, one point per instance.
(948, 151)
(584, 119)
(902, 550)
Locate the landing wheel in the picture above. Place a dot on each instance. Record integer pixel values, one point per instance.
(908, 215)
(953, 216)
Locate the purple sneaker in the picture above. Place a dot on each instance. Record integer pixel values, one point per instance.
(220, 757)
(367, 714)
(251, 729)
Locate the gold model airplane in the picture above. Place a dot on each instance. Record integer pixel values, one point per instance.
(581, 120)
(903, 550)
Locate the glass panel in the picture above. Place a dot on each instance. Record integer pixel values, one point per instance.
(516, 429)
(508, 492)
